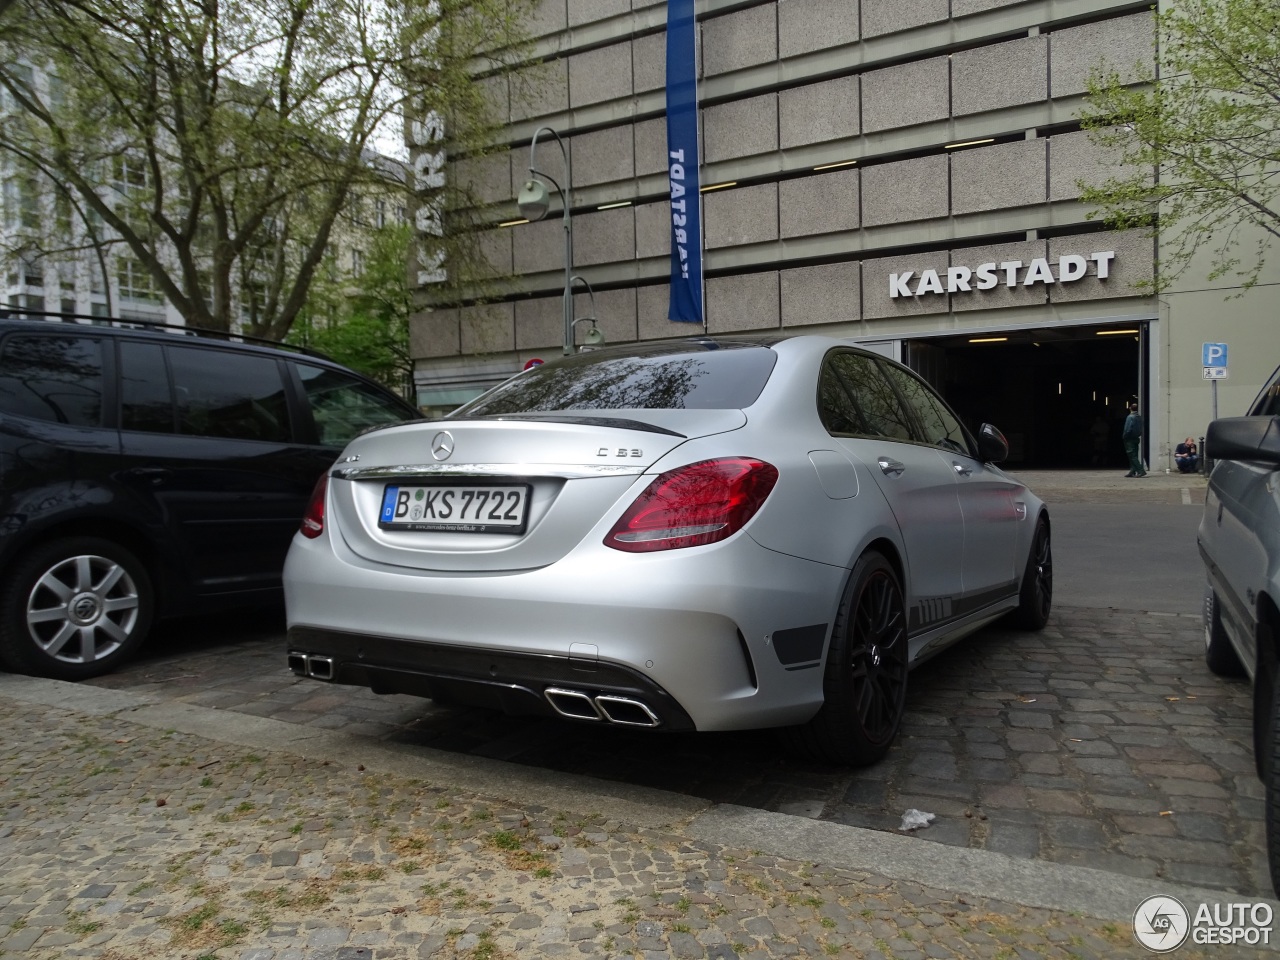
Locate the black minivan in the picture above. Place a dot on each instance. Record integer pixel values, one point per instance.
(147, 474)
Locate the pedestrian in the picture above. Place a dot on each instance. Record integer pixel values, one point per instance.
(1132, 437)
(1186, 456)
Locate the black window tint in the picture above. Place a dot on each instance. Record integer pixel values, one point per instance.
(882, 412)
(52, 378)
(683, 377)
(835, 406)
(223, 394)
(1268, 404)
(146, 401)
(343, 406)
(940, 428)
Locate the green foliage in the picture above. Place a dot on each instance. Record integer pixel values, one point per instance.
(222, 146)
(363, 322)
(1209, 126)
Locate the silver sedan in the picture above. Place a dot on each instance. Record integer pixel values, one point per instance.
(714, 534)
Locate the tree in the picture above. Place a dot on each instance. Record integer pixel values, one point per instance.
(363, 322)
(1209, 127)
(220, 143)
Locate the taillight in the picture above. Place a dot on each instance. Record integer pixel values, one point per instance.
(694, 505)
(313, 519)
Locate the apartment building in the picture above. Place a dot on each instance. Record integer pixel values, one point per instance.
(904, 175)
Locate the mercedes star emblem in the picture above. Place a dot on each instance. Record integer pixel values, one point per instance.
(442, 445)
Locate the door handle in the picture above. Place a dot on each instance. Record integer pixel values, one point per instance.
(152, 475)
(961, 469)
(891, 468)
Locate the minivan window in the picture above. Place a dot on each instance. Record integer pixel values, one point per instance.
(233, 395)
(55, 378)
(692, 377)
(344, 406)
(146, 398)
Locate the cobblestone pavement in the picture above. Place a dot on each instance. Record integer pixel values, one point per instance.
(1101, 741)
(120, 841)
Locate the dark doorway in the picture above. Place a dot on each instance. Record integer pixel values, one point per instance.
(1058, 394)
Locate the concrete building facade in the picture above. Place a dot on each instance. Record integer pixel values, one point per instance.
(903, 174)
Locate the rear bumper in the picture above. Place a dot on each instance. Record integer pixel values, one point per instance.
(693, 627)
(502, 680)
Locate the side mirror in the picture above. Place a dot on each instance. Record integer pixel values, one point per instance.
(1244, 438)
(992, 446)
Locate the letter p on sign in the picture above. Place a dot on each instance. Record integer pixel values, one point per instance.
(1215, 355)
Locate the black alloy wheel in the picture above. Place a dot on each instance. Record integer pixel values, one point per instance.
(878, 658)
(1036, 597)
(865, 680)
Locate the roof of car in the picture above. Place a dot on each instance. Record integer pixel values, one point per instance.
(165, 331)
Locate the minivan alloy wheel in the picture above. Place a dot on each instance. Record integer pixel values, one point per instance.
(82, 609)
(73, 608)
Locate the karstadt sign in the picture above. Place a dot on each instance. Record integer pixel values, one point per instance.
(1070, 267)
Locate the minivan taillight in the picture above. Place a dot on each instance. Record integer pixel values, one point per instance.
(313, 519)
(690, 506)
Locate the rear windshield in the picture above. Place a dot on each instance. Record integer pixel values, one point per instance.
(699, 376)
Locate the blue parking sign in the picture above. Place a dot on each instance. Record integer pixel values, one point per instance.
(1214, 355)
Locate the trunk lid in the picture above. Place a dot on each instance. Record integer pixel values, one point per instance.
(575, 468)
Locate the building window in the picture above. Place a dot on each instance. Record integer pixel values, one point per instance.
(21, 203)
(379, 213)
(136, 282)
(62, 211)
(32, 273)
(357, 263)
(133, 189)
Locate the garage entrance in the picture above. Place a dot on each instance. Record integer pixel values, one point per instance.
(1057, 393)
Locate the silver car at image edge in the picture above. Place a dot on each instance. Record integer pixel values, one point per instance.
(711, 534)
(1239, 541)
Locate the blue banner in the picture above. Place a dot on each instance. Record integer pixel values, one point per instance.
(682, 163)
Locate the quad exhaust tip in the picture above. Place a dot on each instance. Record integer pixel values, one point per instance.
(623, 711)
(311, 665)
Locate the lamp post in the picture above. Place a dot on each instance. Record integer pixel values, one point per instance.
(595, 337)
(534, 201)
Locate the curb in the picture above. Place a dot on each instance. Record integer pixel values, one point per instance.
(980, 873)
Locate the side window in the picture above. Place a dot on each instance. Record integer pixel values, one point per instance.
(52, 378)
(146, 398)
(940, 428)
(1268, 404)
(225, 394)
(835, 406)
(343, 405)
(882, 412)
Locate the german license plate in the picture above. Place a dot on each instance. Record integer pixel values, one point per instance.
(457, 508)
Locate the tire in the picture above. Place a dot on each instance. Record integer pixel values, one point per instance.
(865, 680)
(1036, 596)
(1270, 773)
(74, 608)
(1219, 655)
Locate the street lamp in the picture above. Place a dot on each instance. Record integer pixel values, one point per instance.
(595, 336)
(534, 200)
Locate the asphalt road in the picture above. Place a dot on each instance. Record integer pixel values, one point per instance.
(1130, 556)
